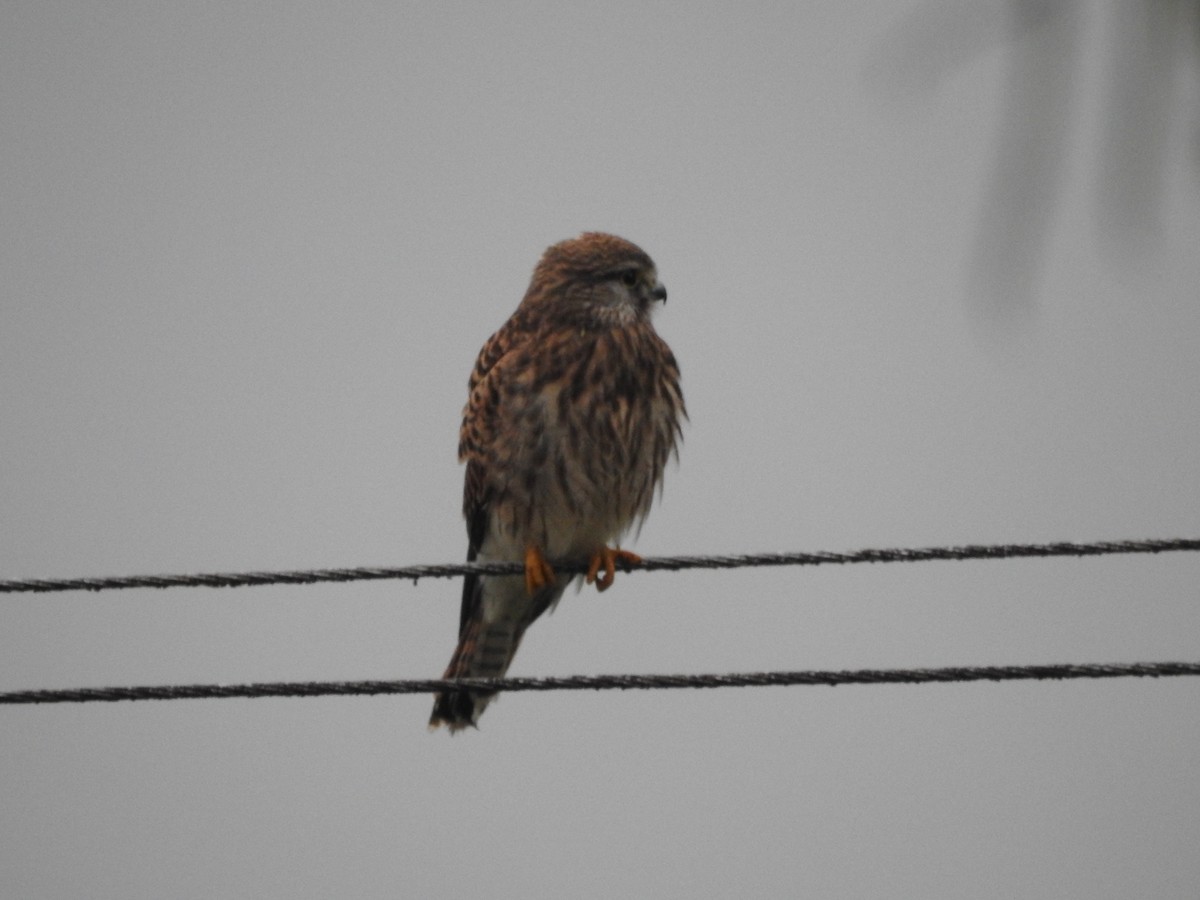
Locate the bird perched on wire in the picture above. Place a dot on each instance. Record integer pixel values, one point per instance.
(574, 409)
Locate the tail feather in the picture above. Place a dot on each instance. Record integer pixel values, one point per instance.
(484, 651)
(496, 612)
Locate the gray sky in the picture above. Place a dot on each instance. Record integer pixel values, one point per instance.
(933, 279)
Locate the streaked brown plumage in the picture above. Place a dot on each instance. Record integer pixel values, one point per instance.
(574, 409)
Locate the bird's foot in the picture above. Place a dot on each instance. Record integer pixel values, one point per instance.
(538, 573)
(607, 558)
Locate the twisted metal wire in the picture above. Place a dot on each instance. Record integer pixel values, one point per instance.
(1056, 672)
(652, 564)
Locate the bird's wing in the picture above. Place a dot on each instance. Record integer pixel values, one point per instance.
(477, 437)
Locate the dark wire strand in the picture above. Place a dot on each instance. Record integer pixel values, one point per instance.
(652, 564)
(1058, 672)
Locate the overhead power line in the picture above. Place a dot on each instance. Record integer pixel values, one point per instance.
(652, 564)
(1058, 672)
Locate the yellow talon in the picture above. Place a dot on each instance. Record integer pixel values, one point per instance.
(538, 573)
(607, 557)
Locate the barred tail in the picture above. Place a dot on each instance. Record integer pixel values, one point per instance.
(484, 651)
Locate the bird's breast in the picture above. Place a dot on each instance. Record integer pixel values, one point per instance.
(605, 430)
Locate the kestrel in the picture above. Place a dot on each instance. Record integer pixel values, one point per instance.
(574, 410)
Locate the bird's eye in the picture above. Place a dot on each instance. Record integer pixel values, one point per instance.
(629, 278)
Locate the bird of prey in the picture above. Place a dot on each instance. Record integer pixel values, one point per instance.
(574, 409)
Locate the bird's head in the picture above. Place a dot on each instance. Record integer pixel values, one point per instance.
(596, 279)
